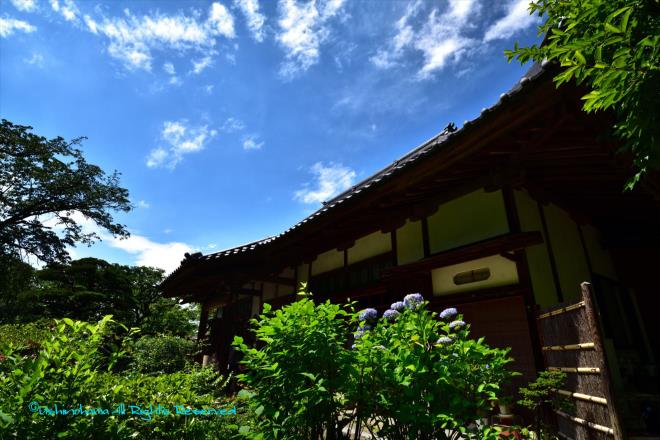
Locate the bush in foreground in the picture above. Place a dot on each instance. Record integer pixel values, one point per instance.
(410, 374)
(72, 368)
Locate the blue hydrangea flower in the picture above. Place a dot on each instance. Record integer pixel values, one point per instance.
(358, 334)
(399, 306)
(368, 314)
(353, 347)
(456, 324)
(391, 315)
(448, 313)
(413, 301)
(444, 340)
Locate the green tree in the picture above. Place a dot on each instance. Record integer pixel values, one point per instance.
(613, 47)
(16, 277)
(43, 182)
(89, 288)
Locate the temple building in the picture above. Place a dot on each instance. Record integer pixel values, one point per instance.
(500, 218)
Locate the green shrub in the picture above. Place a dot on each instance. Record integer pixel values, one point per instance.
(421, 376)
(69, 371)
(162, 354)
(301, 369)
(409, 375)
(27, 336)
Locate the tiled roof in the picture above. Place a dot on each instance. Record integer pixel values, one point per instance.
(384, 174)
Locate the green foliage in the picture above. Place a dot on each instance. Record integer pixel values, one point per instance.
(16, 277)
(400, 380)
(613, 46)
(88, 289)
(162, 354)
(49, 179)
(301, 369)
(71, 369)
(27, 336)
(420, 378)
(540, 395)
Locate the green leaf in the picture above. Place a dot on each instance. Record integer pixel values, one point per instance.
(612, 28)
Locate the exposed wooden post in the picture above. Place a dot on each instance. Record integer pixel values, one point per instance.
(203, 322)
(596, 332)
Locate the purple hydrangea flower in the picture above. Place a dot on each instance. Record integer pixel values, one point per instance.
(391, 315)
(444, 340)
(456, 324)
(368, 314)
(398, 306)
(413, 301)
(448, 313)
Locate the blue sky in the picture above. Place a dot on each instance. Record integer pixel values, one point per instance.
(230, 121)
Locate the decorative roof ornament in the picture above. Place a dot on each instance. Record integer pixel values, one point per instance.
(450, 128)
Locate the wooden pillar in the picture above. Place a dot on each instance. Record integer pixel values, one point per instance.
(524, 277)
(203, 322)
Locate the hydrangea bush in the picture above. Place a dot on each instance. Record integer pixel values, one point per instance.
(328, 371)
(421, 376)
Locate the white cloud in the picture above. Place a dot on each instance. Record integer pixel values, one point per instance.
(9, 25)
(166, 256)
(92, 26)
(516, 19)
(303, 28)
(25, 5)
(169, 68)
(222, 20)
(67, 9)
(250, 143)
(143, 204)
(36, 60)
(182, 140)
(232, 124)
(203, 63)
(209, 88)
(255, 20)
(132, 39)
(441, 39)
(387, 57)
(330, 180)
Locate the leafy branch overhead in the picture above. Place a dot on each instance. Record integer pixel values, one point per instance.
(613, 47)
(45, 184)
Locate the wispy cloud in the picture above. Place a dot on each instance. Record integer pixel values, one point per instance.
(303, 28)
(166, 256)
(516, 19)
(329, 180)
(388, 57)
(66, 8)
(169, 69)
(201, 64)
(132, 39)
(250, 142)
(36, 60)
(25, 5)
(10, 25)
(441, 39)
(143, 204)
(182, 139)
(255, 20)
(232, 125)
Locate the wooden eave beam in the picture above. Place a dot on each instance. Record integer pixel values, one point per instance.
(492, 246)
